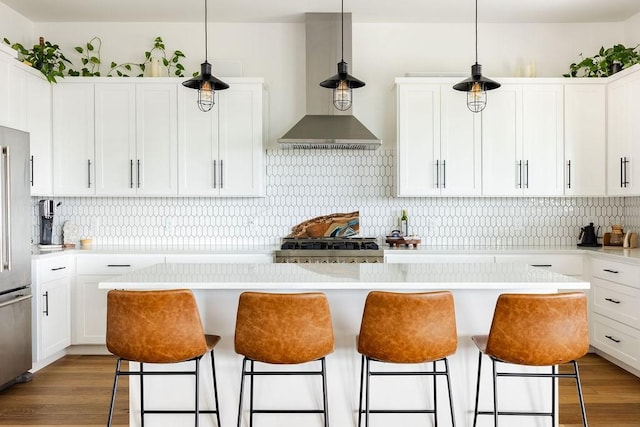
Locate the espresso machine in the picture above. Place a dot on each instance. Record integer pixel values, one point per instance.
(46, 221)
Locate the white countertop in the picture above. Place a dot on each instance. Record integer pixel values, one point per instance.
(343, 276)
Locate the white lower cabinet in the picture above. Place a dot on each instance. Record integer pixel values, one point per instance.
(89, 303)
(52, 308)
(408, 257)
(220, 259)
(615, 321)
(567, 264)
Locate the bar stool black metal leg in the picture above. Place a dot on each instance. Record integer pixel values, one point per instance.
(324, 392)
(580, 396)
(141, 394)
(475, 412)
(113, 391)
(446, 368)
(361, 387)
(215, 387)
(197, 406)
(495, 393)
(367, 391)
(244, 368)
(553, 395)
(435, 396)
(251, 379)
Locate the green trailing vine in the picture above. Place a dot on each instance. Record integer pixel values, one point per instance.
(44, 56)
(49, 59)
(606, 62)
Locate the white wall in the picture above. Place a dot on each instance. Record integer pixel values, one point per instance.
(16, 27)
(632, 31)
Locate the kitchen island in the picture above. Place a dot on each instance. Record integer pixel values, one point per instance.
(217, 286)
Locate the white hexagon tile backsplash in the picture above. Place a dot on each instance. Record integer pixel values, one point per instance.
(301, 184)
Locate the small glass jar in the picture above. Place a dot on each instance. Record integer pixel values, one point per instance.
(617, 236)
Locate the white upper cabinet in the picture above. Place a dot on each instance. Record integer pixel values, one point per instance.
(585, 139)
(7, 56)
(522, 141)
(136, 139)
(73, 139)
(623, 112)
(221, 151)
(115, 133)
(438, 148)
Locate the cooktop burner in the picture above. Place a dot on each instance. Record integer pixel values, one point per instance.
(329, 243)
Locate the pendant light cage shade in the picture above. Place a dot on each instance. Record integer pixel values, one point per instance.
(342, 85)
(477, 85)
(343, 82)
(206, 84)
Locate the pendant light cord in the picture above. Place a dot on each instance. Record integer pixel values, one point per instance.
(206, 36)
(342, 32)
(476, 31)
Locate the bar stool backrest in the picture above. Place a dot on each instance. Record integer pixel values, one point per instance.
(408, 327)
(539, 329)
(154, 326)
(283, 328)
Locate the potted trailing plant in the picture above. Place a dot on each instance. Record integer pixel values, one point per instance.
(606, 62)
(44, 56)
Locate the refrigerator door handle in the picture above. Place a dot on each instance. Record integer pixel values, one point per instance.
(16, 300)
(5, 219)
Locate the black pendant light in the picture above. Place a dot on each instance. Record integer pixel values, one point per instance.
(343, 82)
(477, 85)
(205, 83)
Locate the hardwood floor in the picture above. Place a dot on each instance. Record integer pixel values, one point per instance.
(75, 391)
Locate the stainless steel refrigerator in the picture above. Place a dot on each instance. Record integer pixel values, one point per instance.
(15, 256)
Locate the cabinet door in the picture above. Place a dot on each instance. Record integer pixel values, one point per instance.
(542, 140)
(115, 135)
(418, 139)
(55, 317)
(460, 165)
(73, 139)
(39, 111)
(585, 139)
(156, 162)
(197, 146)
(18, 83)
(89, 311)
(623, 112)
(240, 152)
(501, 143)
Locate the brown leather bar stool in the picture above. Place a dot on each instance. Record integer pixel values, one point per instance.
(407, 328)
(283, 329)
(535, 330)
(158, 327)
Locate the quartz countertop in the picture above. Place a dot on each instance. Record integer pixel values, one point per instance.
(344, 276)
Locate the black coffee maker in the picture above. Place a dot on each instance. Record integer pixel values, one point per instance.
(589, 236)
(46, 221)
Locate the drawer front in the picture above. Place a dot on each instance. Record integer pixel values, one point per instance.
(614, 271)
(616, 339)
(114, 264)
(570, 265)
(618, 302)
(54, 268)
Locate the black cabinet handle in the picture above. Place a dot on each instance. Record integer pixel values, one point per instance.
(31, 171)
(541, 265)
(215, 174)
(46, 304)
(612, 300)
(118, 265)
(613, 339)
(519, 184)
(138, 173)
(88, 173)
(611, 271)
(58, 268)
(569, 174)
(437, 173)
(221, 175)
(526, 169)
(444, 174)
(131, 173)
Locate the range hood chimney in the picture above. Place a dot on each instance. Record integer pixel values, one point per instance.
(323, 126)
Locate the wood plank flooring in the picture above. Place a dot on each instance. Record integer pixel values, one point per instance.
(75, 391)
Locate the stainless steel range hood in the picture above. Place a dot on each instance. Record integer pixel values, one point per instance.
(324, 127)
